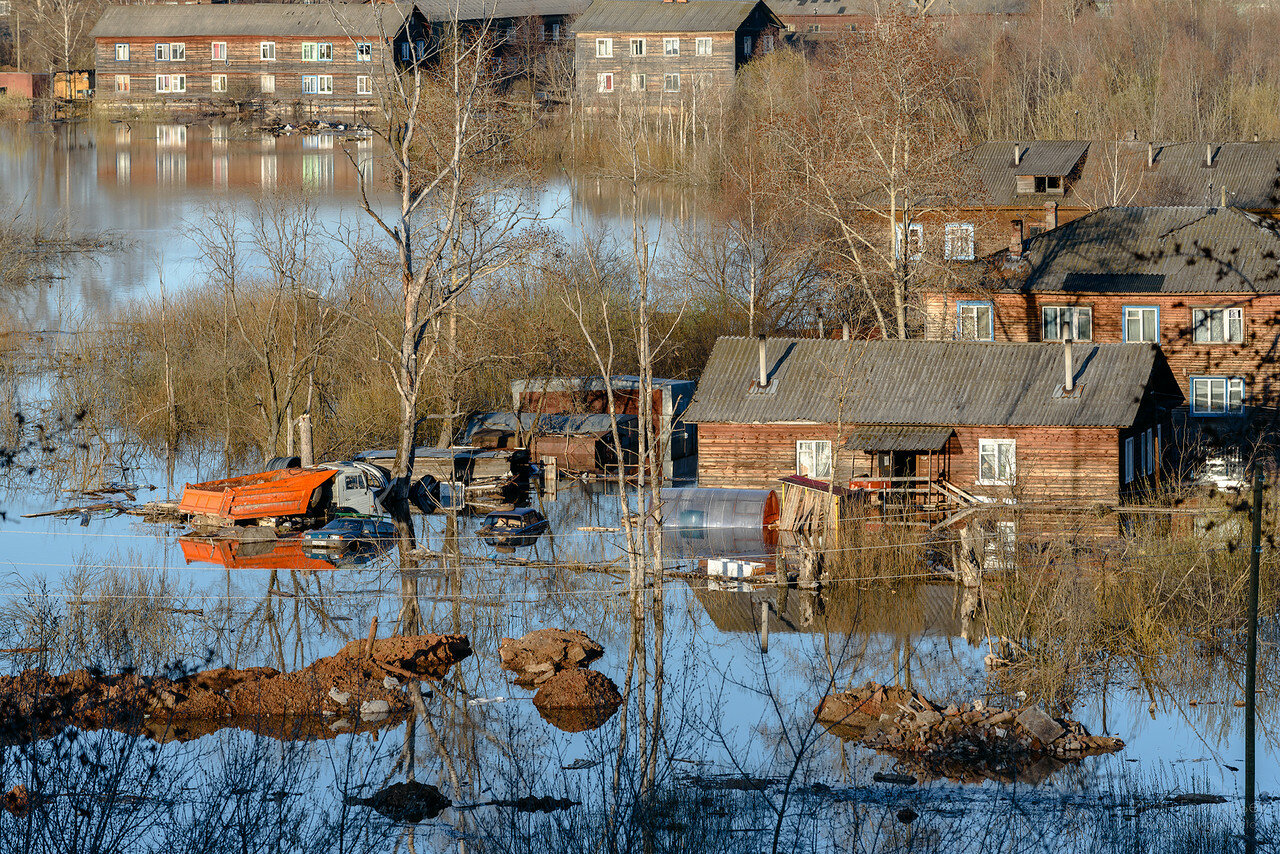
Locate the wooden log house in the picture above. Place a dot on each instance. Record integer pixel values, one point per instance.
(938, 425)
(329, 56)
(1202, 283)
(660, 54)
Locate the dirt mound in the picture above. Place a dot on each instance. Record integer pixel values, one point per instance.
(577, 700)
(962, 743)
(346, 685)
(17, 801)
(542, 653)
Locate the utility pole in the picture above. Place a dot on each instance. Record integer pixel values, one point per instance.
(1251, 665)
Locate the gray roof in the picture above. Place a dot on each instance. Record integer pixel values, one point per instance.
(1155, 250)
(545, 425)
(803, 8)
(657, 16)
(1117, 172)
(253, 19)
(479, 10)
(894, 437)
(944, 383)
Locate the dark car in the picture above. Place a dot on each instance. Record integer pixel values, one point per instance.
(519, 527)
(349, 530)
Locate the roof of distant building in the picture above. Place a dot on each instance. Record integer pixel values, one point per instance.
(253, 19)
(663, 16)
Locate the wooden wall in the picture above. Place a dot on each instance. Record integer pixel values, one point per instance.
(719, 68)
(1017, 318)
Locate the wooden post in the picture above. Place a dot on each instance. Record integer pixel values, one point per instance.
(550, 477)
(764, 628)
(373, 633)
(1251, 664)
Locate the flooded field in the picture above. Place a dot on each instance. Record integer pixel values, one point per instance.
(713, 745)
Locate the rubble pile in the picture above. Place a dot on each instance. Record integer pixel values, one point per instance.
(569, 696)
(952, 740)
(365, 680)
(542, 653)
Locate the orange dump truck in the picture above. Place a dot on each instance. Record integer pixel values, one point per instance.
(268, 494)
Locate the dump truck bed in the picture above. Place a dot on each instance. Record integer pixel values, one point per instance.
(286, 492)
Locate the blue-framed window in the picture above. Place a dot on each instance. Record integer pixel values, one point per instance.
(975, 320)
(1142, 324)
(1217, 395)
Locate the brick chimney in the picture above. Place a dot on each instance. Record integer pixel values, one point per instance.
(1015, 240)
(1050, 215)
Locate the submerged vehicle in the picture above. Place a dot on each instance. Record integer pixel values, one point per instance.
(288, 492)
(347, 531)
(519, 527)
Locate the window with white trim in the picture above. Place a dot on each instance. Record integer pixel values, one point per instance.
(958, 241)
(267, 50)
(671, 83)
(914, 238)
(1074, 320)
(1142, 324)
(122, 82)
(997, 462)
(766, 43)
(162, 52)
(702, 46)
(164, 83)
(309, 84)
(324, 52)
(364, 52)
(813, 459)
(268, 84)
(1217, 395)
(177, 51)
(637, 47)
(308, 51)
(122, 52)
(671, 47)
(325, 84)
(975, 321)
(218, 83)
(639, 82)
(218, 51)
(1218, 325)
(604, 82)
(604, 47)
(362, 85)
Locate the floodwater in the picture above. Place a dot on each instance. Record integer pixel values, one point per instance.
(736, 762)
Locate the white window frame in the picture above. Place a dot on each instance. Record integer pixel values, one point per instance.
(604, 81)
(637, 47)
(122, 83)
(1212, 396)
(324, 52)
(671, 82)
(364, 52)
(122, 51)
(179, 83)
(702, 46)
(973, 310)
(218, 84)
(1139, 315)
(1229, 325)
(671, 46)
(1000, 456)
(362, 85)
(324, 84)
(162, 51)
(958, 241)
(214, 51)
(604, 48)
(309, 51)
(914, 241)
(814, 453)
(639, 82)
(177, 51)
(1080, 318)
(164, 83)
(267, 51)
(267, 84)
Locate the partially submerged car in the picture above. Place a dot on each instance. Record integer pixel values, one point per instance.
(347, 531)
(510, 528)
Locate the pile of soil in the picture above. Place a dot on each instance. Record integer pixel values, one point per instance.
(959, 742)
(542, 653)
(577, 700)
(348, 684)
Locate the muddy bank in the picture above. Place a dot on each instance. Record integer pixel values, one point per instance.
(965, 743)
(363, 684)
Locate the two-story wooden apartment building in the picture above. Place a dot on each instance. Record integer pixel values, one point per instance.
(1203, 283)
(324, 54)
(663, 52)
(1039, 423)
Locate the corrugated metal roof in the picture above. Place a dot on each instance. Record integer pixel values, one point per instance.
(252, 19)
(898, 438)
(1117, 172)
(656, 16)
(943, 383)
(480, 10)
(1156, 249)
(940, 8)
